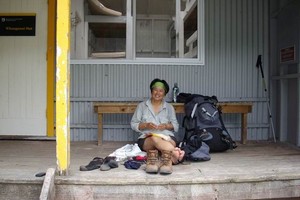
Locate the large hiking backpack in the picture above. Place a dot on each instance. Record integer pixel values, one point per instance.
(203, 118)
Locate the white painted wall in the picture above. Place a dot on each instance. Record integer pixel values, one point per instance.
(23, 73)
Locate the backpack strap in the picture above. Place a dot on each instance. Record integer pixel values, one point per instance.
(194, 110)
(227, 138)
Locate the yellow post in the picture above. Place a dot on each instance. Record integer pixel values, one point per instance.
(63, 86)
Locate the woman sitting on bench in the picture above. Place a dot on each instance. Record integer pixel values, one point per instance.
(155, 120)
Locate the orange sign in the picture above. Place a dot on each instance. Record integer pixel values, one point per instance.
(17, 24)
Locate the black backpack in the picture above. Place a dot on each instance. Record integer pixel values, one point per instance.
(203, 118)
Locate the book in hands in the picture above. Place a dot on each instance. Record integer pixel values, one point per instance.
(165, 137)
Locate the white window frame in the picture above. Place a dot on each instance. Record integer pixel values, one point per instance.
(130, 19)
(200, 60)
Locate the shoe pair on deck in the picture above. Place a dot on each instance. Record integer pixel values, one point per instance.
(164, 165)
(104, 164)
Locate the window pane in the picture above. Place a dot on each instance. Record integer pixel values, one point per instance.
(154, 19)
(162, 34)
(191, 35)
(106, 28)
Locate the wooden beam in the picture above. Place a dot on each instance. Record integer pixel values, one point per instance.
(63, 87)
(105, 19)
(51, 67)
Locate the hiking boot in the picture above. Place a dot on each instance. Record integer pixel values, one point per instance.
(152, 161)
(166, 163)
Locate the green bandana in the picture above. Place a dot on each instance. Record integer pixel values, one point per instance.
(160, 85)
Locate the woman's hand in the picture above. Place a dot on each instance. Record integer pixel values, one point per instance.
(165, 126)
(152, 126)
(162, 127)
(148, 126)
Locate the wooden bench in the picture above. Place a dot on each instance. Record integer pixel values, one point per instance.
(129, 107)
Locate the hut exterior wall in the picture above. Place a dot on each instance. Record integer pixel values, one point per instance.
(236, 32)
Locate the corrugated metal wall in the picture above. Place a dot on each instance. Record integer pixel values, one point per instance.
(236, 33)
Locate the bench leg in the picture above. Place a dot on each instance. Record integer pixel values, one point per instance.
(244, 128)
(100, 129)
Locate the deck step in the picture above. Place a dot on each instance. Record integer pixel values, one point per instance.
(136, 184)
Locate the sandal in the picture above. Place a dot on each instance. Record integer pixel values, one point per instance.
(94, 164)
(108, 163)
